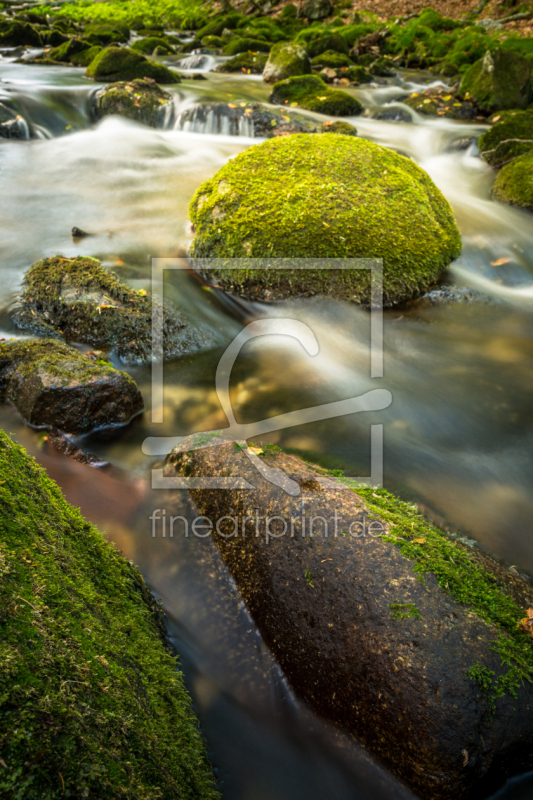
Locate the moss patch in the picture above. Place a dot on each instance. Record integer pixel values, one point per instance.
(310, 92)
(514, 183)
(91, 702)
(511, 137)
(334, 196)
(122, 64)
(441, 104)
(236, 46)
(499, 80)
(285, 61)
(148, 44)
(250, 63)
(332, 59)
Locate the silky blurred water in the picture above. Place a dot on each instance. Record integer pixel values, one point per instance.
(458, 435)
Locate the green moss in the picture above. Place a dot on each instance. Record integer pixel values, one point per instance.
(338, 127)
(500, 80)
(105, 34)
(14, 33)
(404, 611)
(357, 75)
(441, 104)
(121, 63)
(212, 41)
(332, 59)
(91, 702)
(137, 100)
(149, 44)
(332, 41)
(308, 196)
(236, 46)
(510, 138)
(286, 60)
(310, 92)
(84, 58)
(68, 49)
(514, 183)
(460, 574)
(252, 63)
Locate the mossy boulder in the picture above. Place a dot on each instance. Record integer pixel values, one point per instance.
(356, 74)
(382, 623)
(330, 41)
(54, 386)
(441, 104)
(123, 64)
(508, 139)
(215, 42)
(236, 46)
(250, 63)
(91, 701)
(85, 57)
(285, 60)
(310, 92)
(151, 43)
(514, 183)
(331, 197)
(76, 298)
(103, 33)
(65, 52)
(52, 38)
(499, 80)
(332, 59)
(338, 127)
(140, 100)
(14, 33)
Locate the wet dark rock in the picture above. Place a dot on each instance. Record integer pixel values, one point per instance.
(499, 80)
(77, 233)
(12, 125)
(360, 636)
(394, 115)
(78, 300)
(54, 386)
(64, 444)
(122, 64)
(317, 9)
(14, 33)
(464, 143)
(140, 100)
(248, 119)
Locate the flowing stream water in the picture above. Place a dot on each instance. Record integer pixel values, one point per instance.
(458, 435)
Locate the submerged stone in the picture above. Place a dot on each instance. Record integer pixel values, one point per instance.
(54, 386)
(499, 80)
(285, 60)
(514, 183)
(76, 298)
(331, 197)
(381, 623)
(511, 137)
(140, 100)
(88, 677)
(122, 64)
(310, 92)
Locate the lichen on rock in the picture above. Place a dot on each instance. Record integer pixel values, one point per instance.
(76, 298)
(141, 100)
(310, 92)
(91, 701)
(331, 197)
(54, 386)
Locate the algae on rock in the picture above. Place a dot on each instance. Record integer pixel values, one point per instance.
(55, 386)
(91, 701)
(330, 197)
(310, 92)
(76, 298)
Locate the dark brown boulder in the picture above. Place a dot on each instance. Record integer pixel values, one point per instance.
(56, 387)
(381, 622)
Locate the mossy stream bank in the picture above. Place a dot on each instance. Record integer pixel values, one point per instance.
(92, 704)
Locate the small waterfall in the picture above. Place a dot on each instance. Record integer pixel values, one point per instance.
(199, 62)
(219, 119)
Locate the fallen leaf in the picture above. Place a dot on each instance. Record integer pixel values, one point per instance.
(419, 541)
(232, 105)
(499, 262)
(495, 119)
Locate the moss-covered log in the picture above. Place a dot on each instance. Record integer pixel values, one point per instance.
(381, 622)
(91, 702)
(54, 386)
(76, 298)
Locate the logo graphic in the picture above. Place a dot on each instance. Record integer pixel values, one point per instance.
(374, 400)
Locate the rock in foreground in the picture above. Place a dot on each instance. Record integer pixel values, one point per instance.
(381, 622)
(54, 386)
(140, 100)
(77, 299)
(330, 197)
(89, 691)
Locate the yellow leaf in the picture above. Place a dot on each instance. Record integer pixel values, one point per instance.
(322, 98)
(499, 262)
(495, 119)
(419, 541)
(232, 105)
(142, 292)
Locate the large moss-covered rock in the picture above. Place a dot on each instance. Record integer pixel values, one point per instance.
(514, 183)
(236, 46)
(91, 702)
(330, 197)
(250, 63)
(148, 44)
(122, 64)
(381, 622)
(77, 299)
(103, 33)
(499, 80)
(285, 60)
(330, 58)
(14, 33)
(310, 92)
(508, 139)
(140, 100)
(54, 386)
